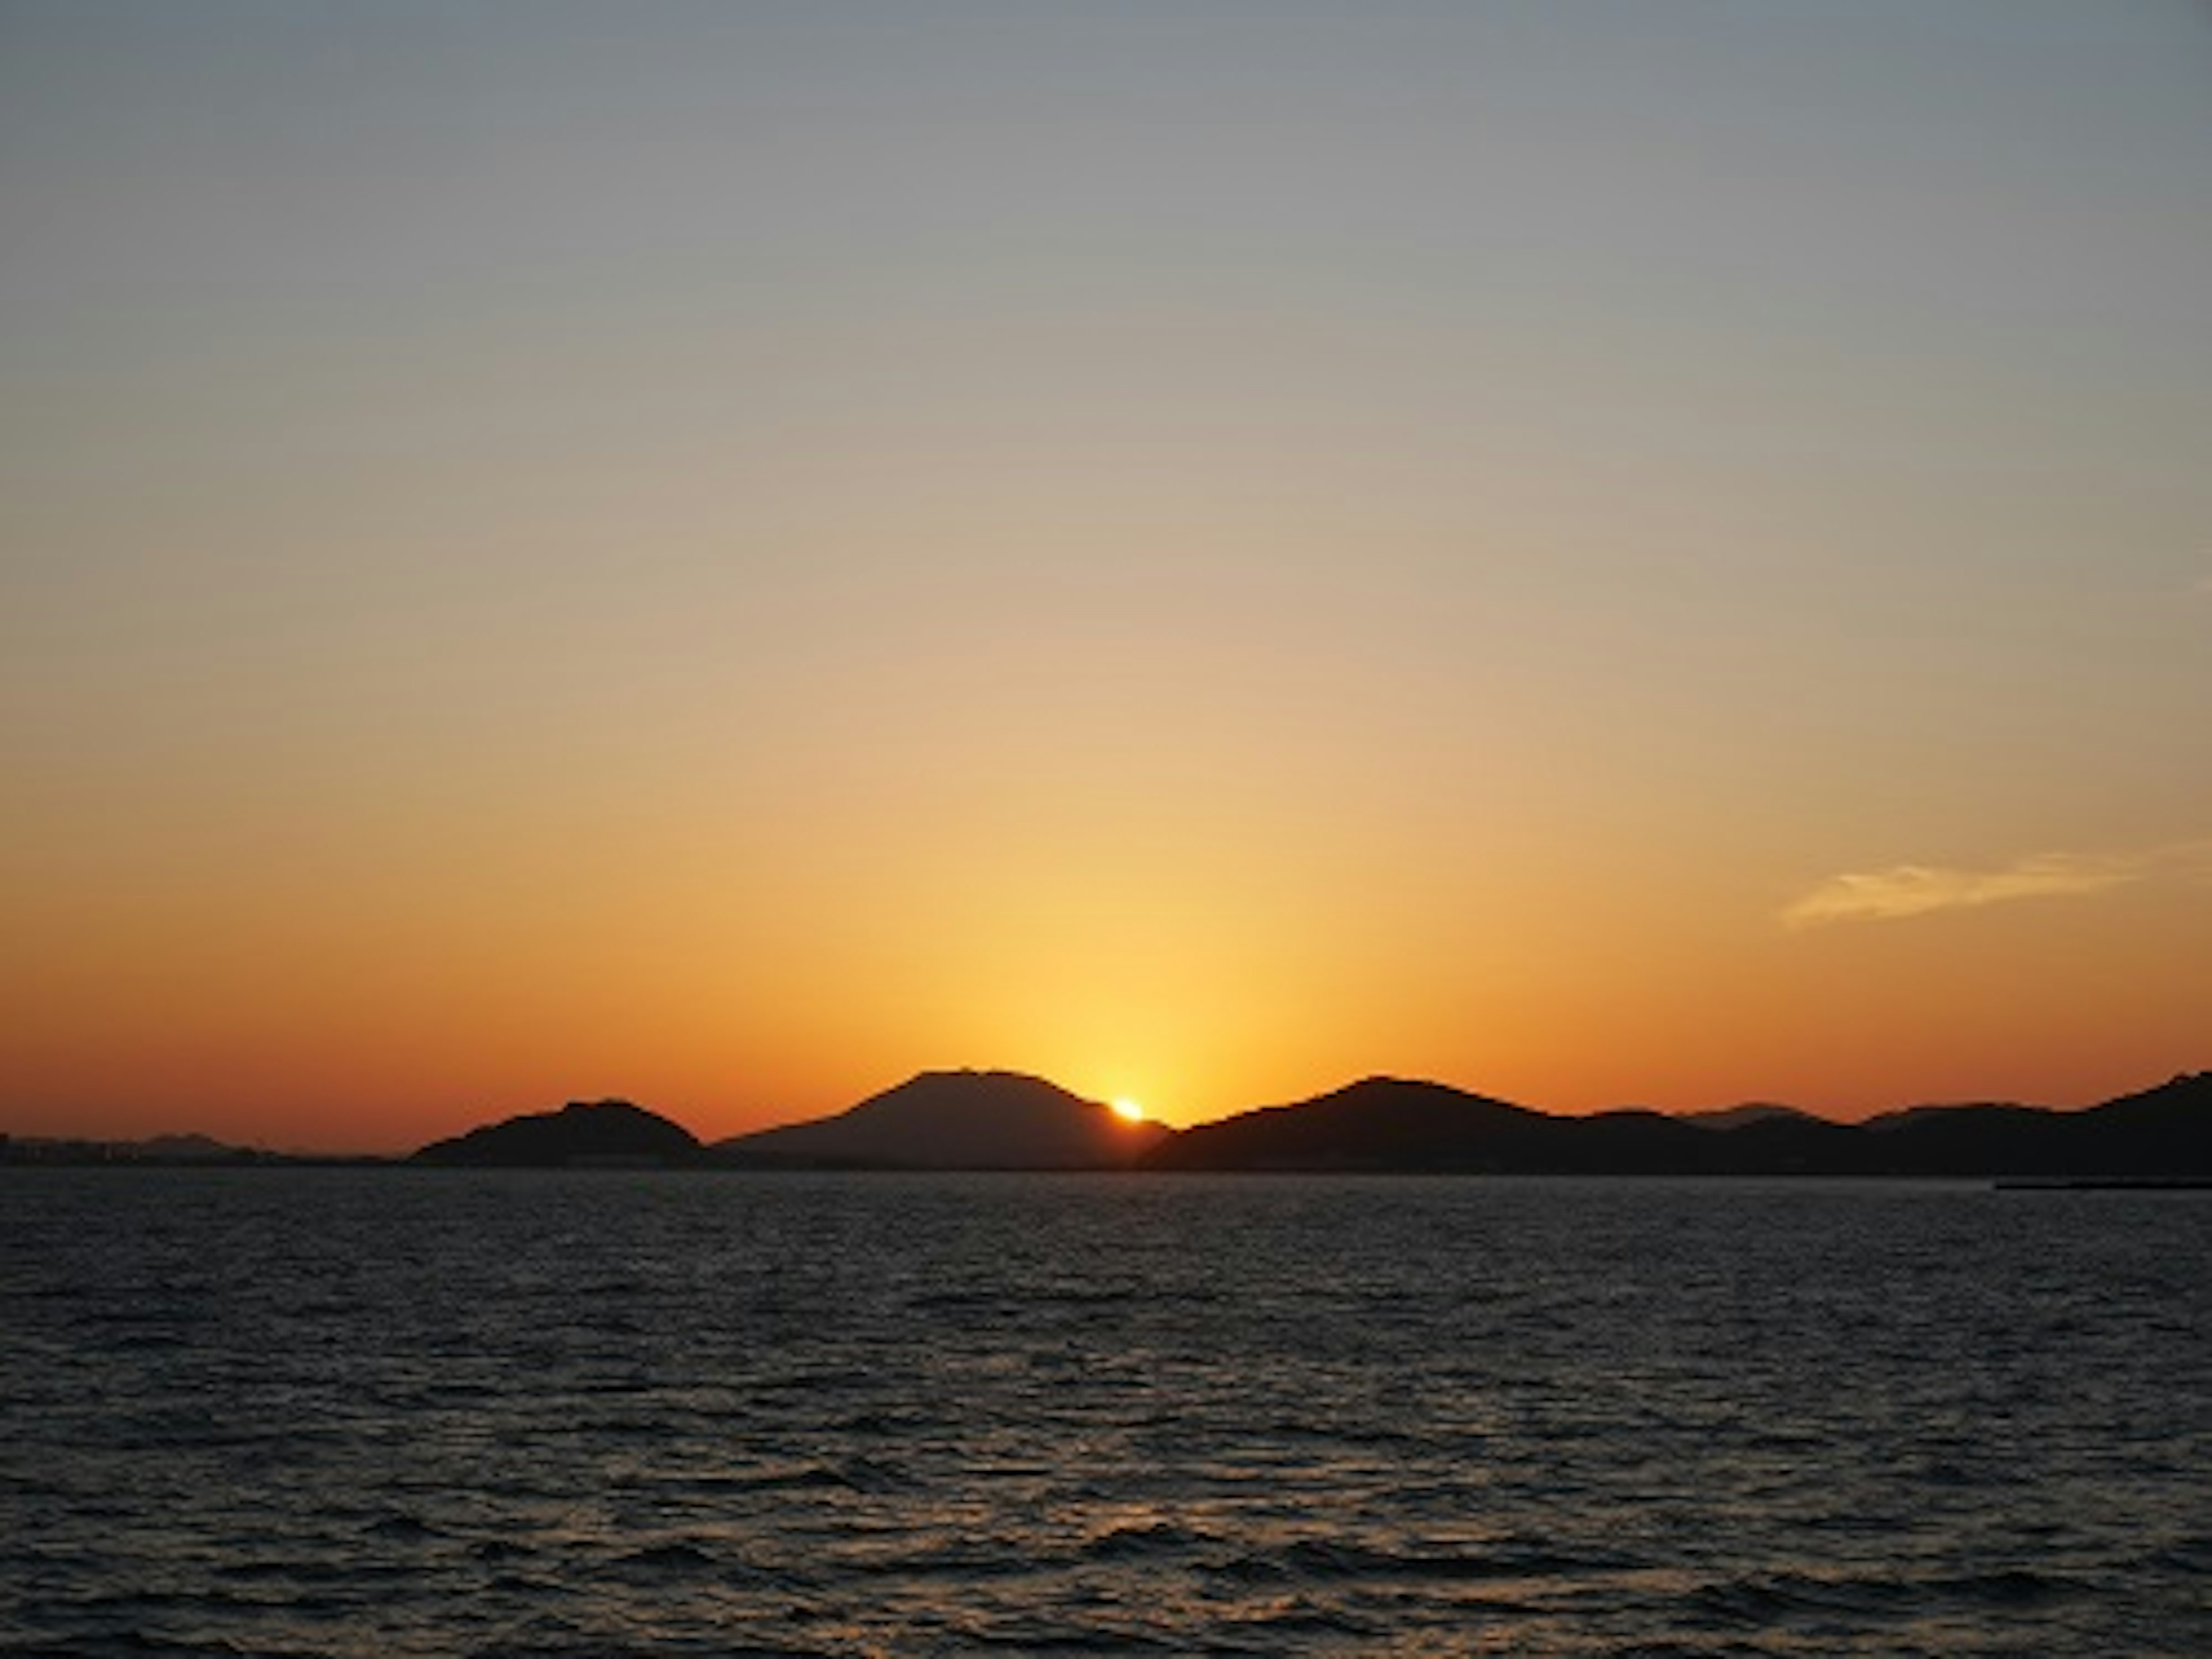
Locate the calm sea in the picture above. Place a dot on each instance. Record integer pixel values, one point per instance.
(444, 1413)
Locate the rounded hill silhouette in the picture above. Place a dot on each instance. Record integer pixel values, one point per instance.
(606, 1133)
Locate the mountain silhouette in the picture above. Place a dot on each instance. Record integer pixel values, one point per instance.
(957, 1120)
(189, 1148)
(605, 1132)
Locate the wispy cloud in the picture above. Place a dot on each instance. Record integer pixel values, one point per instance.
(1914, 889)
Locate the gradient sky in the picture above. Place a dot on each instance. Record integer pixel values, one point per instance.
(1656, 551)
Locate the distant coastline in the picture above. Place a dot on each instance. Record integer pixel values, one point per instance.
(2161, 1137)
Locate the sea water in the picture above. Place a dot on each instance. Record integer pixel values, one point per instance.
(412, 1412)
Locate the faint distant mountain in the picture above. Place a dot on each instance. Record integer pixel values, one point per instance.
(187, 1149)
(1389, 1124)
(165, 1150)
(957, 1120)
(1752, 1111)
(1955, 1111)
(583, 1133)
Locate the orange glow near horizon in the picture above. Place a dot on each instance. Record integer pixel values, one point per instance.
(349, 978)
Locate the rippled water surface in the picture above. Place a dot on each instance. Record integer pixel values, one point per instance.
(414, 1412)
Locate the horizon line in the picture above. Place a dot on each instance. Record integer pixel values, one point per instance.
(1764, 1102)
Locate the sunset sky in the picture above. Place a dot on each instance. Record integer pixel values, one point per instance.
(1645, 552)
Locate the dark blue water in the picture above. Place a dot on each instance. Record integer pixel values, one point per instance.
(377, 1413)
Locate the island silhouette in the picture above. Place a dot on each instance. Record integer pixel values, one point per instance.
(607, 1134)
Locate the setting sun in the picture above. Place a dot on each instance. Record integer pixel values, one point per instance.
(1129, 1111)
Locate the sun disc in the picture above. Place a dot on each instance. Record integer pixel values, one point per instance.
(1129, 1110)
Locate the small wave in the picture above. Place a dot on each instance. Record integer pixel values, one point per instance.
(1091, 1295)
(1035, 1633)
(525, 1585)
(131, 1335)
(2011, 1587)
(888, 1423)
(1301, 1616)
(407, 1528)
(965, 1557)
(2189, 1555)
(1778, 1598)
(1143, 1541)
(132, 1644)
(1332, 1560)
(1781, 1598)
(804, 1477)
(666, 1558)
(625, 1428)
(958, 1301)
(310, 1569)
(856, 1474)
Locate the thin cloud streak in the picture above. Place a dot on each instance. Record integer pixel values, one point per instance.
(1914, 889)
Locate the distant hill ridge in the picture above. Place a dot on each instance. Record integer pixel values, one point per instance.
(1751, 1111)
(1385, 1124)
